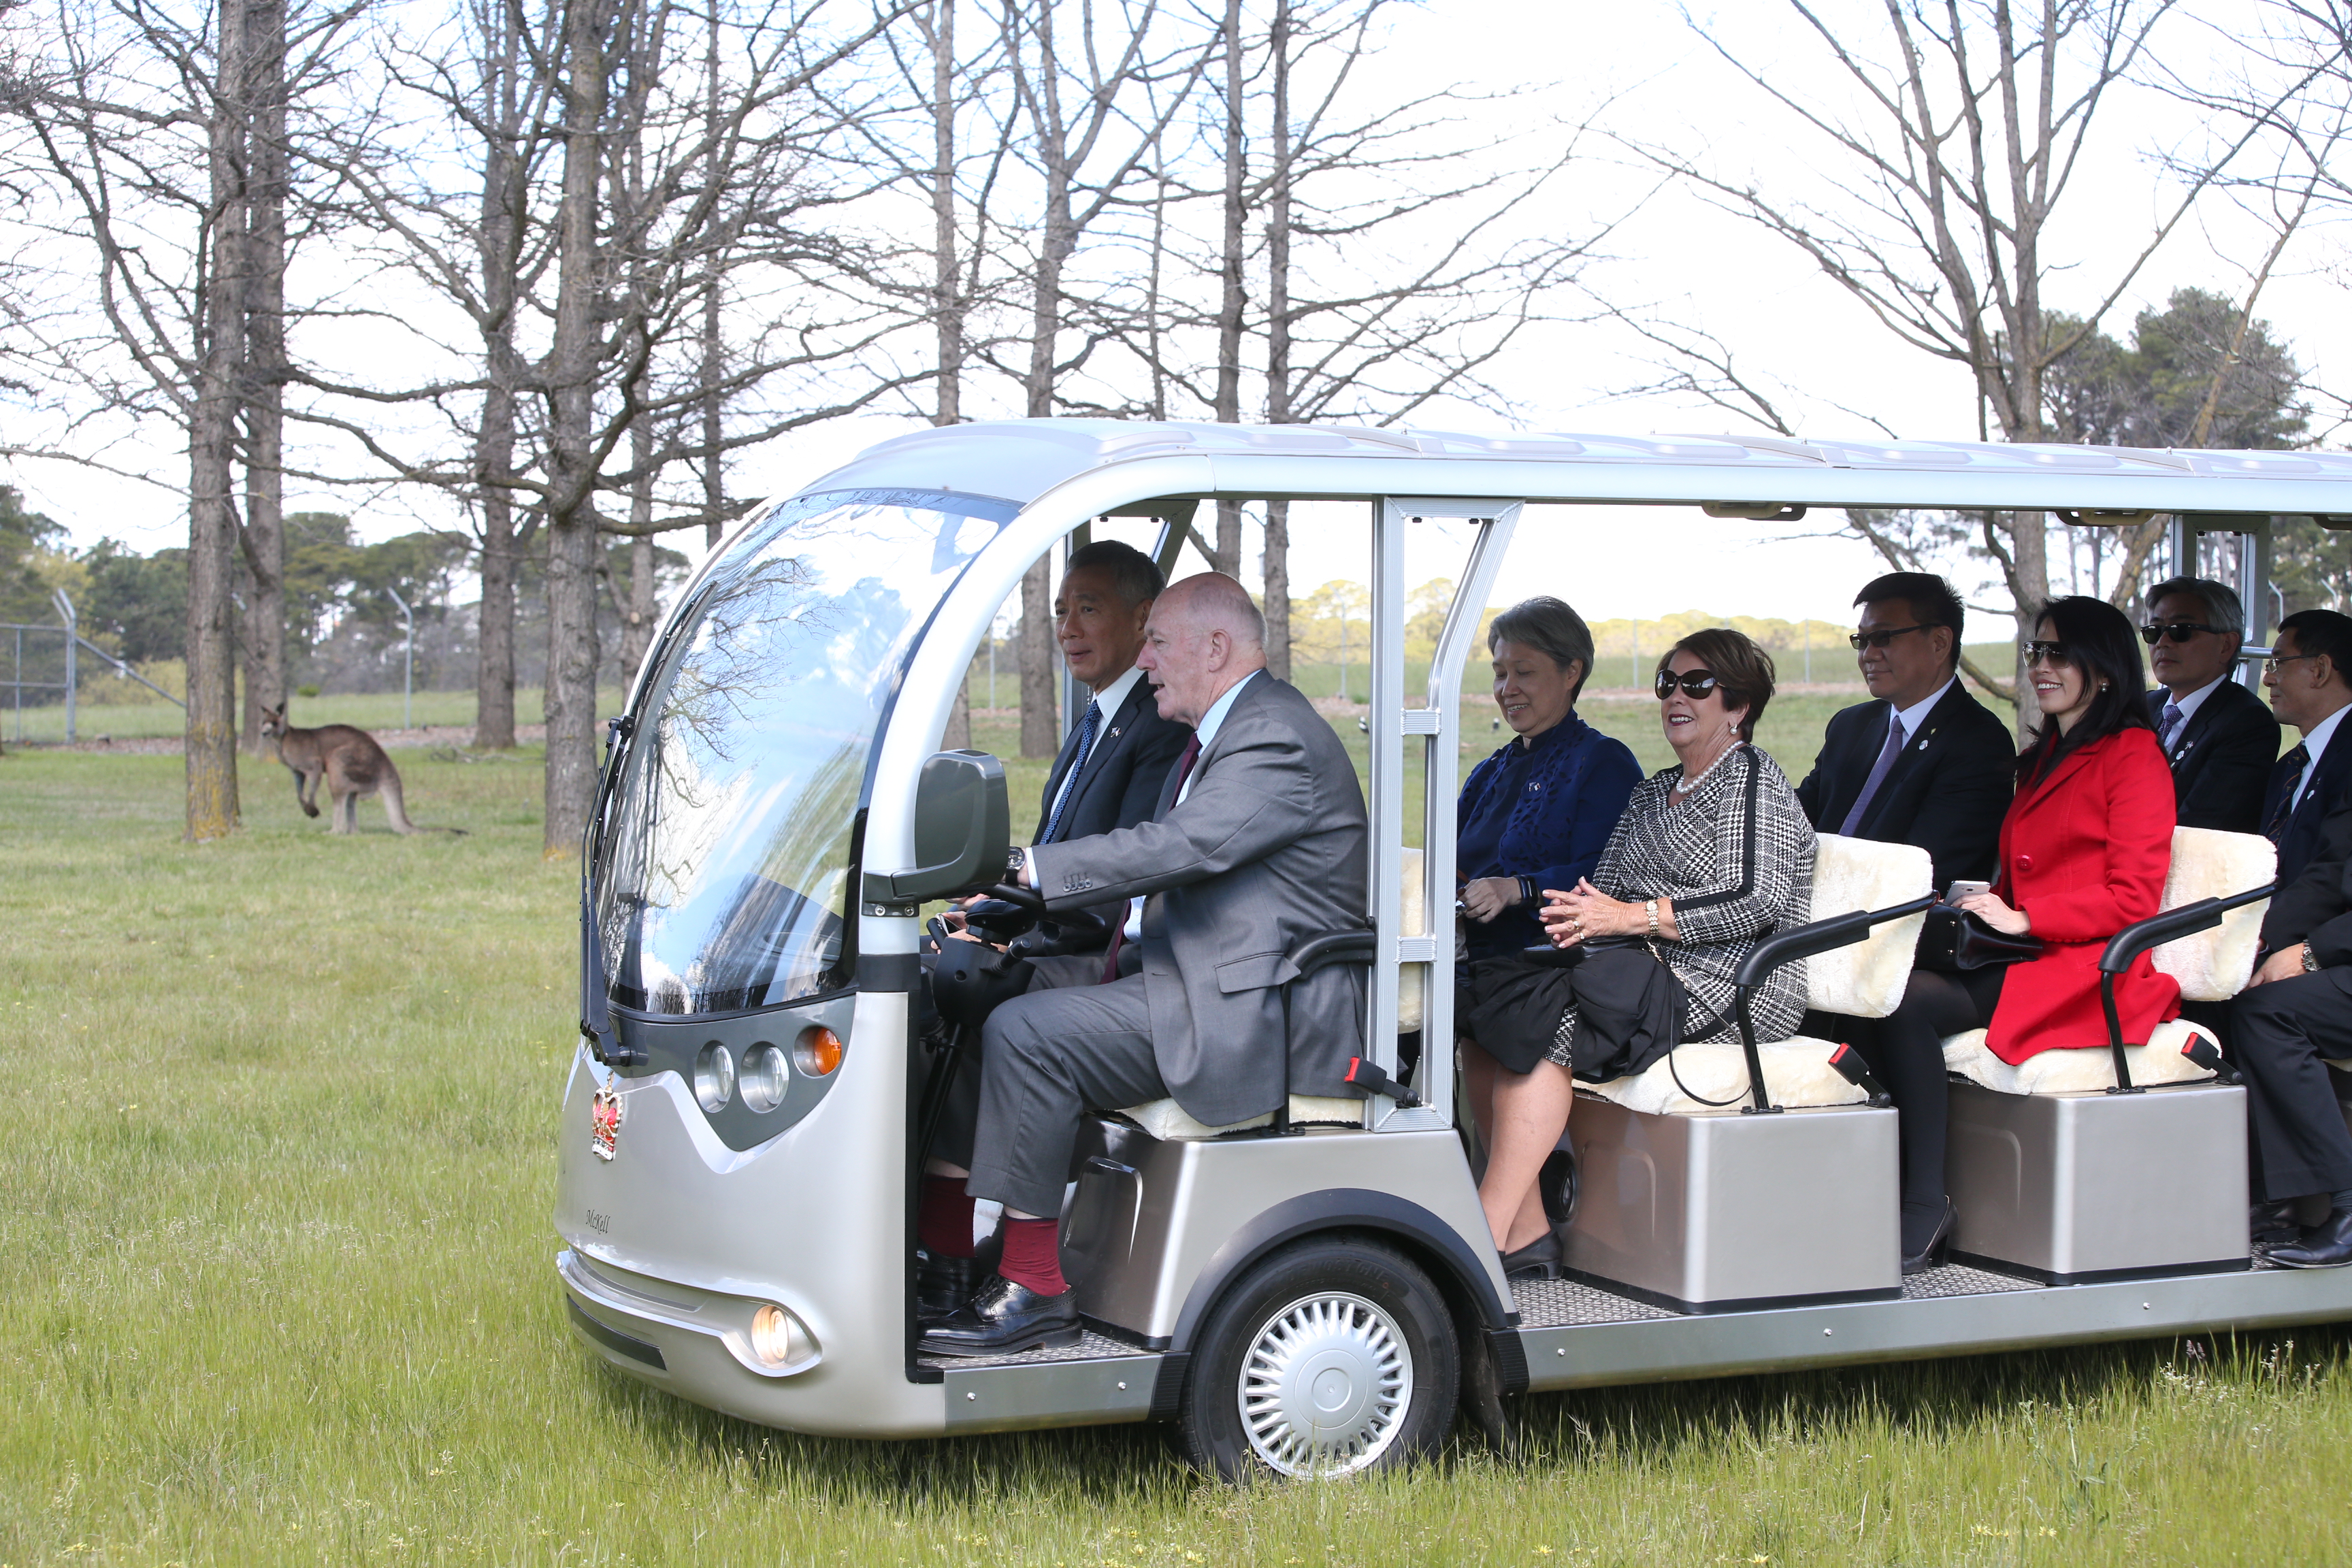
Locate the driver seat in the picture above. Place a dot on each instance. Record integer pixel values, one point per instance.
(1168, 1121)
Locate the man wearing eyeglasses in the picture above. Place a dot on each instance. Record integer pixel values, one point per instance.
(2217, 736)
(1925, 764)
(2310, 680)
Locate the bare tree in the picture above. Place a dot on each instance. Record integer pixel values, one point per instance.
(1944, 185)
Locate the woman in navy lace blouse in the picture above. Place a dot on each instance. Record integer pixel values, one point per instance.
(1537, 813)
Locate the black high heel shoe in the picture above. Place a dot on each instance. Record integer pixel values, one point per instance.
(1538, 1259)
(1938, 1245)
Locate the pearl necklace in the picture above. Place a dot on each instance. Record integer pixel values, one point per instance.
(1689, 786)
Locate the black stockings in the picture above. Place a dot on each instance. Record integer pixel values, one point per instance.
(1905, 1050)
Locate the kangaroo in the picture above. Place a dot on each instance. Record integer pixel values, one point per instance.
(349, 760)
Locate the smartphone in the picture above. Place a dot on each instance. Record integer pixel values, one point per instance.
(1961, 889)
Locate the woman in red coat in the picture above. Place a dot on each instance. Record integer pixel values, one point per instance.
(2083, 853)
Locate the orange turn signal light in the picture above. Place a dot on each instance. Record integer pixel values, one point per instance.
(817, 1051)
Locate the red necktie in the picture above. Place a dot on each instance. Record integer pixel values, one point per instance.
(1184, 761)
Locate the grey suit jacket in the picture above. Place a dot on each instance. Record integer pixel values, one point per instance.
(1270, 847)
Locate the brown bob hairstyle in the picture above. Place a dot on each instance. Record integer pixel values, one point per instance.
(1743, 672)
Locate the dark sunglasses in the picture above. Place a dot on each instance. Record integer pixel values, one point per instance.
(1880, 639)
(2179, 631)
(1694, 682)
(2051, 653)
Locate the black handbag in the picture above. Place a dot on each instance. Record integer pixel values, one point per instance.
(1956, 941)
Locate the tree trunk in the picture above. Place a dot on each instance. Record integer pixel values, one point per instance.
(1277, 563)
(499, 241)
(946, 302)
(570, 784)
(714, 361)
(1232, 299)
(264, 533)
(637, 614)
(211, 736)
(1039, 727)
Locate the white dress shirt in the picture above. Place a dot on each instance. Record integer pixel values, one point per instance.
(1917, 714)
(1211, 722)
(1109, 700)
(2315, 742)
(2188, 706)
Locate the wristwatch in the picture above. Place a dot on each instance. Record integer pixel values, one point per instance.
(1015, 859)
(2310, 960)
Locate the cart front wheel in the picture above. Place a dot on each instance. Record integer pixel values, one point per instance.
(1332, 1357)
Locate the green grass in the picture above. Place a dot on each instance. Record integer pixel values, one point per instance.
(368, 710)
(279, 1118)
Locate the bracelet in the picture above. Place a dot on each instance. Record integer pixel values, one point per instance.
(1650, 909)
(1527, 890)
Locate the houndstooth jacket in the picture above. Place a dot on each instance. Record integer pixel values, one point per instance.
(1737, 859)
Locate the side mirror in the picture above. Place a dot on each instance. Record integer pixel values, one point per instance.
(964, 829)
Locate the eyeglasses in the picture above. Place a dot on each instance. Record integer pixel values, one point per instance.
(2050, 653)
(1694, 682)
(2271, 664)
(1881, 638)
(2179, 631)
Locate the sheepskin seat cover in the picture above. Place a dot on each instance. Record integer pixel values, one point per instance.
(1797, 1072)
(1411, 921)
(2214, 965)
(1164, 1119)
(1867, 980)
(2079, 1071)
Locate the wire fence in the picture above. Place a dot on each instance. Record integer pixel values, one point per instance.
(47, 660)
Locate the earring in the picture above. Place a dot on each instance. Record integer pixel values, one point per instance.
(2102, 685)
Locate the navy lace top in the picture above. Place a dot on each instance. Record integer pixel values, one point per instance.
(1544, 811)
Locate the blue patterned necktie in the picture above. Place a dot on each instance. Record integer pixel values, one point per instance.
(1077, 771)
(2172, 721)
(1878, 772)
(2291, 766)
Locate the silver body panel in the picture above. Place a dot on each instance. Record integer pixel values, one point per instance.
(2067, 1187)
(1710, 1213)
(1150, 1218)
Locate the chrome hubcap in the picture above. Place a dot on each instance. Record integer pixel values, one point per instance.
(1325, 1387)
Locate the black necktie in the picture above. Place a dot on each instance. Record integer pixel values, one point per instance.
(2290, 768)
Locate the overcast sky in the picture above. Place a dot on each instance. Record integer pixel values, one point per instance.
(1680, 258)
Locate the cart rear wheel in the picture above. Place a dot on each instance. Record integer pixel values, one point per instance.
(1334, 1356)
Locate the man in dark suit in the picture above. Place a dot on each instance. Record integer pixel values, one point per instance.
(1110, 775)
(2310, 680)
(2294, 1018)
(2217, 736)
(1118, 752)
(1925, 764)
(1260, 841)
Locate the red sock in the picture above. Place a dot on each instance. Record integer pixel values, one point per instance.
(1032, 1255)
(943, 1222)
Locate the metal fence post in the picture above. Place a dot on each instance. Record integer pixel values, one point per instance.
(407, 657)
(73, 634)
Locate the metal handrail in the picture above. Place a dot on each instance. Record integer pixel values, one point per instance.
(1786, 947)
(2128, 944)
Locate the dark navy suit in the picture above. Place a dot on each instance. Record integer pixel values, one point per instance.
(2222, 758)
(2298, 836)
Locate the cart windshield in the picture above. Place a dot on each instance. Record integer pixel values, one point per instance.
(726, 874)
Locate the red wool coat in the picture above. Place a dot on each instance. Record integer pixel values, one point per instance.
(2085, 853)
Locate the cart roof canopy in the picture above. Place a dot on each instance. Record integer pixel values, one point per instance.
(1021, 460)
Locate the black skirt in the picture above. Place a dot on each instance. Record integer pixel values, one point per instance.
(1627, 1009)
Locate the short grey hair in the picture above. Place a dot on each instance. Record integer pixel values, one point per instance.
(1551, 628)
(2223, 608)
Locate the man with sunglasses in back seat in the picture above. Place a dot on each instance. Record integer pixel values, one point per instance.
(1924, 764)
(2220, 739)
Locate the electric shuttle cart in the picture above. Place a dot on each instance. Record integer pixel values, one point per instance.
(1316, 1293)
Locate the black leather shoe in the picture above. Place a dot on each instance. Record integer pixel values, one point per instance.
(2328, 1245)
(1538, 1259)
(942, 1284)
(1938, 1245)
(2273, 1225)
(1002, 1319)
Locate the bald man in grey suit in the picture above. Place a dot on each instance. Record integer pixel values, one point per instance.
(1259, 843)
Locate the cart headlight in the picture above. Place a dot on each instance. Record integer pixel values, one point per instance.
(714, 1076)
(817, 1051)
(764, 1077)
(779, 1339)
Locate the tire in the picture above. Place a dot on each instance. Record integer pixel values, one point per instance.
(1338, 1329)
